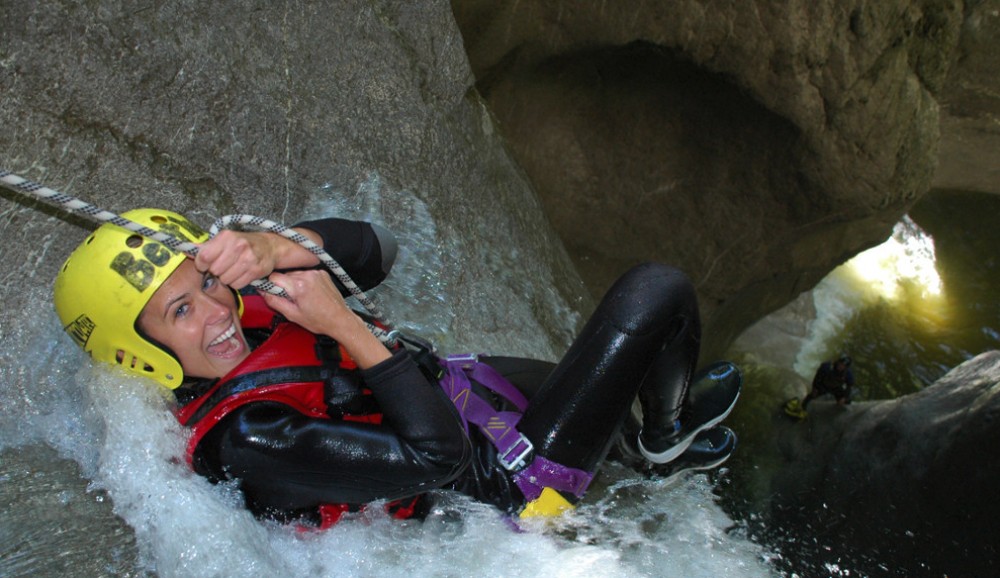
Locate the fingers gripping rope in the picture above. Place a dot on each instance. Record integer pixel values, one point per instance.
(261, 224)
(68, 202)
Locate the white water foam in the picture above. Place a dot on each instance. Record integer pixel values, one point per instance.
(133, 448)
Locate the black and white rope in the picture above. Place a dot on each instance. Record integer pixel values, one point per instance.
(65, 201)
(262, 224)
(94, 213)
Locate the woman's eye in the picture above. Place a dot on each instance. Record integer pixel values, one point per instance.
(208, 282)
(182, 310)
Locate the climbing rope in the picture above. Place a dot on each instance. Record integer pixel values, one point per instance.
(99, 215)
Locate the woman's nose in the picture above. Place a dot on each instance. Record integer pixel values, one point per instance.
(215, 311)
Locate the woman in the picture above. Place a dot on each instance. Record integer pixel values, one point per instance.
(300, 402)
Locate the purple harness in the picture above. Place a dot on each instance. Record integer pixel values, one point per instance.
(515, 452)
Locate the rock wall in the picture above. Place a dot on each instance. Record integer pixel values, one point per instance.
(970, 105)
(756, 145)
(914, 476)
(270, 108)
(277, 109)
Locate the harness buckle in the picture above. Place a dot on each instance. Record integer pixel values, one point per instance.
(523, 447)
(466, 360)
(413, 341)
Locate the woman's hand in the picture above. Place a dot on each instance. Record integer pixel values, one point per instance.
(315, 303)
(237, 258)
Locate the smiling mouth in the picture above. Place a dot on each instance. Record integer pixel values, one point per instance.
(226, 343)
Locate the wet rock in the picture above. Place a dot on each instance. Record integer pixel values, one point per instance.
(914, 476)
(272, 109)
(48, 510)
(275, 109)
(970, 105)
(755, 145)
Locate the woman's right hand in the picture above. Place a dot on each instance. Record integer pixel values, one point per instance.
(237, 258)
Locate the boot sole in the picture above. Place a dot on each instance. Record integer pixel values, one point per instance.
(724, 451)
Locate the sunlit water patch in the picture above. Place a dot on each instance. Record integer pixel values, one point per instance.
(876, 308)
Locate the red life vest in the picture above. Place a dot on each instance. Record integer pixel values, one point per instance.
(311, 374)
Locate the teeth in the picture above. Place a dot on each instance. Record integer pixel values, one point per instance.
(225, 335)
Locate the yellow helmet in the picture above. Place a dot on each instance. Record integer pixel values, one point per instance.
(107, 281)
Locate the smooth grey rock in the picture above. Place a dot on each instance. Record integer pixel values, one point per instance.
(270, 108)
(915, 475)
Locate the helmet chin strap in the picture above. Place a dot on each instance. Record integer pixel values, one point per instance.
(67, 202)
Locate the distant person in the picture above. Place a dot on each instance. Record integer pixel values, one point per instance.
(833, 377)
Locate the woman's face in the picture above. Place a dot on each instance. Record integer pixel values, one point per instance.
(196, 316)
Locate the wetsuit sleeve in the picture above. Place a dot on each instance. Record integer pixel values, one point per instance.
(818, 378)
(364, 250)
(288, 461)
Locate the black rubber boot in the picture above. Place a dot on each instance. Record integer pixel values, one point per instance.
(712, 396)
(710, 449)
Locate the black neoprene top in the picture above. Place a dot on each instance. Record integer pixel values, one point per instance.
(642, 339)
(287, 462)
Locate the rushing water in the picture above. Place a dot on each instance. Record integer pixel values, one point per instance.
(907, 311)
(93, 481)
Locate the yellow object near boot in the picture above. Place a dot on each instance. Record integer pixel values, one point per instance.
(794, 408)
(549, 503)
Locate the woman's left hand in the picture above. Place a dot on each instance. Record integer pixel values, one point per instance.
(315, 303)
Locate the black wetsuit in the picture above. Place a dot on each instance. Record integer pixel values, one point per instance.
(642, 339)
(829, 379)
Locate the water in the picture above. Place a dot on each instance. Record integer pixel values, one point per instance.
(924, 335)
(94, 481)
(907, 311)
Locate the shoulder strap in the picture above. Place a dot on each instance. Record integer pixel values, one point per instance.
(254, 380)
